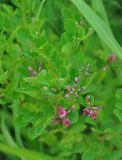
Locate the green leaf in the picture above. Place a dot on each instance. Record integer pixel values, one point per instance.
(81, 32)
(119, 106)
(2, 20)
(99, 26)
(3, 77)
(23, 35)
(89, 89)
(42, 78)
(35, 94)
(119, 95)
(67, 47)
(16, 3)
(26, 119)
(38, 128)
(70, 26)
(33, 80)
(65, 38)
(118, 113)
(63, 71)
(90, 152)
(73, 116)
(34, 132)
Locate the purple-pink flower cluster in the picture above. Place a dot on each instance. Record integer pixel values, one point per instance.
(74, 89)
(62, 116)
(90, 112)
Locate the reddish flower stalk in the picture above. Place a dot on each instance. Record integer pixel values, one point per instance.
(40, 66)
(89, 100)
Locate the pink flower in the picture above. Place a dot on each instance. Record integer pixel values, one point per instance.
(86, 111)
(112, 58)
(90, 113)
(62, 112)
(93, 114)
(66, 121)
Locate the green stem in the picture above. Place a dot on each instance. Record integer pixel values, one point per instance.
(29, 154)
(6, 133)
(16, 128)
(39, 11)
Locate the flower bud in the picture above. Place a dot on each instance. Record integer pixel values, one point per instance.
(66, 121)
(112, 58)
(67, 95)
(86, 111)
(77, 79)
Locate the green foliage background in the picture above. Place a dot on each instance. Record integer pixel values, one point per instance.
(56, 33)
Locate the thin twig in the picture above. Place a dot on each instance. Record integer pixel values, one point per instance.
(40, 8)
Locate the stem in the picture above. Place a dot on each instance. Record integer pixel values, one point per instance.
(29, 154)
(16, 128)
(39, 11)
(6, 133)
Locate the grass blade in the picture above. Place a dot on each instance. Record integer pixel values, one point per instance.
(98, 6)
(30, 155)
